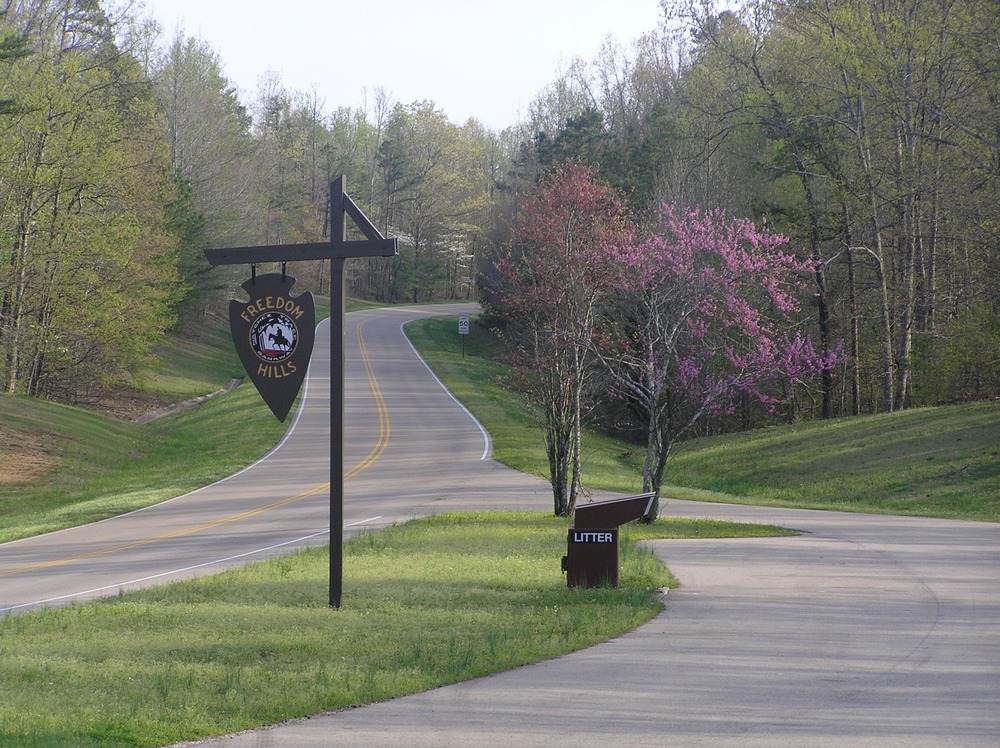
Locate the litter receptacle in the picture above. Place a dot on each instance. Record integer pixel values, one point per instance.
(592, 550)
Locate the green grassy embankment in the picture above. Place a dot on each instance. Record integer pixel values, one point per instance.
(425, 604)
(431, 602)
(934, 462)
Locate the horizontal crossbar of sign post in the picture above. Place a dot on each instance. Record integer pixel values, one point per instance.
(299, 252)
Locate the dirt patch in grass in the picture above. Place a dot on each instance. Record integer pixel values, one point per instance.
(183, 407)
(24, 457)
(122, 402)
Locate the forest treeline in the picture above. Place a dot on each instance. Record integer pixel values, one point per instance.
(866, 131)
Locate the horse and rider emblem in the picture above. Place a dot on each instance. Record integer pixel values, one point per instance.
(273, 337)
(273, 334)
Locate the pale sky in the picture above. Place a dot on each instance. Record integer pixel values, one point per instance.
(472, 58)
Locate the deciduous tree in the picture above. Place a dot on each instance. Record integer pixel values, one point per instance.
(88, 268)
(703, 314)
(434, 197)
(213, 158)
(552, 279)
(13, 45)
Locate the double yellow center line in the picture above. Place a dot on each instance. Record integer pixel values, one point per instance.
(380, 406)
(380, 446)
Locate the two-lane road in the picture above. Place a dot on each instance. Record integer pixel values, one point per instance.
(862, 631)
(409, 450)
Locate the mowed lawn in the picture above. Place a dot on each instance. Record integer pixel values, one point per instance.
(427, 603)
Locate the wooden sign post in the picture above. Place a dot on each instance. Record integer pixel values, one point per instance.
(337, 250)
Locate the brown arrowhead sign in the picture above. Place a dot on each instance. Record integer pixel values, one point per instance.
(274, 334)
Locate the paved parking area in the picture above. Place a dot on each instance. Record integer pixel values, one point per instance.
(862, 631)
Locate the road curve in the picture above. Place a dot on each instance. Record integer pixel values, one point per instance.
(862, 631)
(410, 450)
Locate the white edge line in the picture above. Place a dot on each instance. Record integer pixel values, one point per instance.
(288, 434)
(487, 444)
(141, 580)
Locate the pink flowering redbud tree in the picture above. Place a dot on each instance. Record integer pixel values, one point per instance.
(704, 314)
(550, 282)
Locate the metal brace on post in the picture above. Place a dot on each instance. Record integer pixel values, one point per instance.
(337, 250)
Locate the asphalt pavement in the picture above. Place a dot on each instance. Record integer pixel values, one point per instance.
(861, 630)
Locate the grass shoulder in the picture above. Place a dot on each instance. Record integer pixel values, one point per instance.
(100, 466)
(432, 602)
(428, 603)
(935, 462)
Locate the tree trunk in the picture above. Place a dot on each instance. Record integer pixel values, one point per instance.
(855, 335)
(819, 271)
(886, 330)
